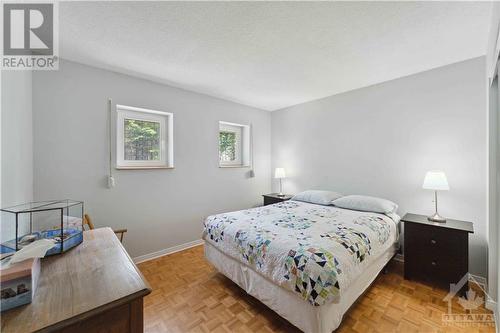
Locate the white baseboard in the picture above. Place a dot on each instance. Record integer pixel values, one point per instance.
(167, 251)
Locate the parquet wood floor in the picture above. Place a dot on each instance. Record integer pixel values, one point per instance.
(190, 296)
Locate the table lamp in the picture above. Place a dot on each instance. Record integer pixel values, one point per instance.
(436, 181)
(280, 174)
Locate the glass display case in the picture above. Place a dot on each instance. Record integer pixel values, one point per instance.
(60, 220)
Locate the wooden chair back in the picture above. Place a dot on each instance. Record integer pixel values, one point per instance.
(87, 221)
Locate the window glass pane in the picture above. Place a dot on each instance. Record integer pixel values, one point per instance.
(141, 140)
(227, 146)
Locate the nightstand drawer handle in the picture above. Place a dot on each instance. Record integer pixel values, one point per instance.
(433, 263)
(433, 241)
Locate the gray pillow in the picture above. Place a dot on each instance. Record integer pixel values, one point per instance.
(366, 204)
(317, 197)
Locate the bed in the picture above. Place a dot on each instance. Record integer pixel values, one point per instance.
(307, 262)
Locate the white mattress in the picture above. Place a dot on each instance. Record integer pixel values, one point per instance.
(308, 318)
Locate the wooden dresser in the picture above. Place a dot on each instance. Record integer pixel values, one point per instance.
(436, 253)
(94, 287)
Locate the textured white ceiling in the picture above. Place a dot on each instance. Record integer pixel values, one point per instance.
(272, 54)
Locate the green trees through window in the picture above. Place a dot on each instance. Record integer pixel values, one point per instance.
(142, 140)
(227, 146)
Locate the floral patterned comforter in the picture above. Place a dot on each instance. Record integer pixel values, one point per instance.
(313, 250)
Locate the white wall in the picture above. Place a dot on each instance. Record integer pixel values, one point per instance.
(381, 140)
(491, 49)
(494, 146)
(493, 191)
(17, 138)
(160, 208)
(16, 145)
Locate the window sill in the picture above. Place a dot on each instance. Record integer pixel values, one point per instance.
(234, 166)
(142, 167)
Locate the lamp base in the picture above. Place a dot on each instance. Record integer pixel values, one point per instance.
(437, 218)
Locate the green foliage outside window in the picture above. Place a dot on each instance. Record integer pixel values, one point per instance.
(142, 140)
(227, 146)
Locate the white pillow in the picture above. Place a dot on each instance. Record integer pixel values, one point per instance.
(317, 197)
(366, 204)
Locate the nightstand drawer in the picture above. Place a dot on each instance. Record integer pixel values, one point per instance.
(432, 240)
(440, 270)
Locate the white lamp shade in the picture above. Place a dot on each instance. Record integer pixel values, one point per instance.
(436, 180)
(279, 173)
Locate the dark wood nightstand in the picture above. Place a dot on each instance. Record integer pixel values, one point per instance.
(273, 198)
(437, 253)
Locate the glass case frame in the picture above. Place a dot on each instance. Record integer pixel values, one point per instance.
(72, 238)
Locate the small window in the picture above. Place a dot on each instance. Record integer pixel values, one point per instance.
(144, 138)
(234, 145)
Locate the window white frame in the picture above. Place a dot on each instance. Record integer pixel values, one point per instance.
(165, 119)
(242, 148)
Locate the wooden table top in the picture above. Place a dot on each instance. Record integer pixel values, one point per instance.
(95, 276)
